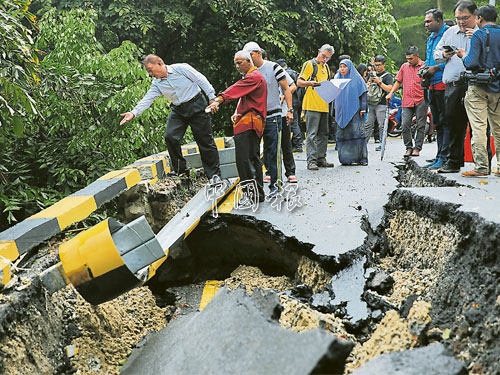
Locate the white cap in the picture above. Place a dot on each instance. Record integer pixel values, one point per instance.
(251, 46)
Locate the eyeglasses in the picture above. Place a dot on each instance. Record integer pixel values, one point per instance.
(463, 19)
(378, 64)
(325, 57)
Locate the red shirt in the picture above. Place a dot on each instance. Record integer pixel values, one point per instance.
(252, 92)
(413, 94)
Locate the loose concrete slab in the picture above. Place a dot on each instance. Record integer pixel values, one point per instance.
(234, 334)
(433, 359)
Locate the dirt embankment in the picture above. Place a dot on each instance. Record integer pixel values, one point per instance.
(62, 333)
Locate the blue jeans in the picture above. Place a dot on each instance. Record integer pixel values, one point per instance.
(271, 149)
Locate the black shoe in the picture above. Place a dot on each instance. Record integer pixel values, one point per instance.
(448, 169)
(184, 173)
(297, 149)
(325, 164)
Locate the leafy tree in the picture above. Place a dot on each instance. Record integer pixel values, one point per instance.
(76, 137)
(18, 65)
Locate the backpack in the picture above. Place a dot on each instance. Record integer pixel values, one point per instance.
(301, 91)
(375, 92)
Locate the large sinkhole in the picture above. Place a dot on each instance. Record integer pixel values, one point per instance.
(429, 272)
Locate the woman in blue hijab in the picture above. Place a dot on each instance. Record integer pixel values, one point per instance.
(350, 108)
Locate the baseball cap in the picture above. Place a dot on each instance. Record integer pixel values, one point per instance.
(281, 62)
(251, 46)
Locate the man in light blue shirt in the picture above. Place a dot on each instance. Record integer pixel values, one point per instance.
(181, 84)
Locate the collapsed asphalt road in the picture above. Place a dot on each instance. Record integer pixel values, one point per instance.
(392, 261)
(385, 246)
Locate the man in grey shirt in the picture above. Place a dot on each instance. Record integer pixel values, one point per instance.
(275, 78)
(181, 84)
(457, 36)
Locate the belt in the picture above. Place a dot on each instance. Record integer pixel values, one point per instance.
(455, 83)
(274, 112)
(194, 98)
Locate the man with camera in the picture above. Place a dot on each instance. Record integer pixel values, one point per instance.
(379, 84)
(433, 80)
(483, 96)
(455, 37)
(413, 101)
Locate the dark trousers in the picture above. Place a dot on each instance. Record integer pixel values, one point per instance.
(286, 148)
(456, 121)
(436, 99)
(271, 149)
(420, 112)
(247, 147)
(297, 137)
(192, 113)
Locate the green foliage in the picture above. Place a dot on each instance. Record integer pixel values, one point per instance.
(76, 137)
(18, 66)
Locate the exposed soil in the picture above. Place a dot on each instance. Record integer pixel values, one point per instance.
(444, 263)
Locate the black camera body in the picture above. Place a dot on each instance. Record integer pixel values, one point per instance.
(372, 74)
(477, 78)
(425, 83)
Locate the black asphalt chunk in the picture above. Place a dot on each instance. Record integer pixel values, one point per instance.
(433, 359)
(234, 334)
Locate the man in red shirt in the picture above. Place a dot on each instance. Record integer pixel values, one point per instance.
(413, 101)
(249, 119)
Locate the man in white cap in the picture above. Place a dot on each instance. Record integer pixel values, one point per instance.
(275, 78)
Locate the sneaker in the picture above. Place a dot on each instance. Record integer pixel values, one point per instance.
(297, 149)
(364, 163)
(267, 179)
(474, 173)
(325, 164)
(378, 148)
(273, 192)
(377, 140)
(448, 169)
(312, 167)
(292, 179)
(438, 164)
(431, 164)
(331, 141)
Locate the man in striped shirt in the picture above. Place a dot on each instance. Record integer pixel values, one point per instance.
(413, 101)
(275, 77)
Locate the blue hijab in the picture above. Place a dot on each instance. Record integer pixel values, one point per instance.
(347, 103)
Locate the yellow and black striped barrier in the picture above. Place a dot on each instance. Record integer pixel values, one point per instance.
(110, 258)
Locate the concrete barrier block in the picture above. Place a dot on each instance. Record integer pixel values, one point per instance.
(103, 190)
(147, 170)
(228, 170)
(29, 233)
(131, 176)
(68, 210)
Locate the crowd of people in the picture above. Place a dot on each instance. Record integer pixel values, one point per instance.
(459, 80)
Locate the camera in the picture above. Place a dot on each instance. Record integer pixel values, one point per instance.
(425, 83)
(477, 78)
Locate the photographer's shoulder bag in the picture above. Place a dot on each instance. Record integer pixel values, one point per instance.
(375, 92)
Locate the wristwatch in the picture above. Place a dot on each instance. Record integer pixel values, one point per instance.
(290, 110)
